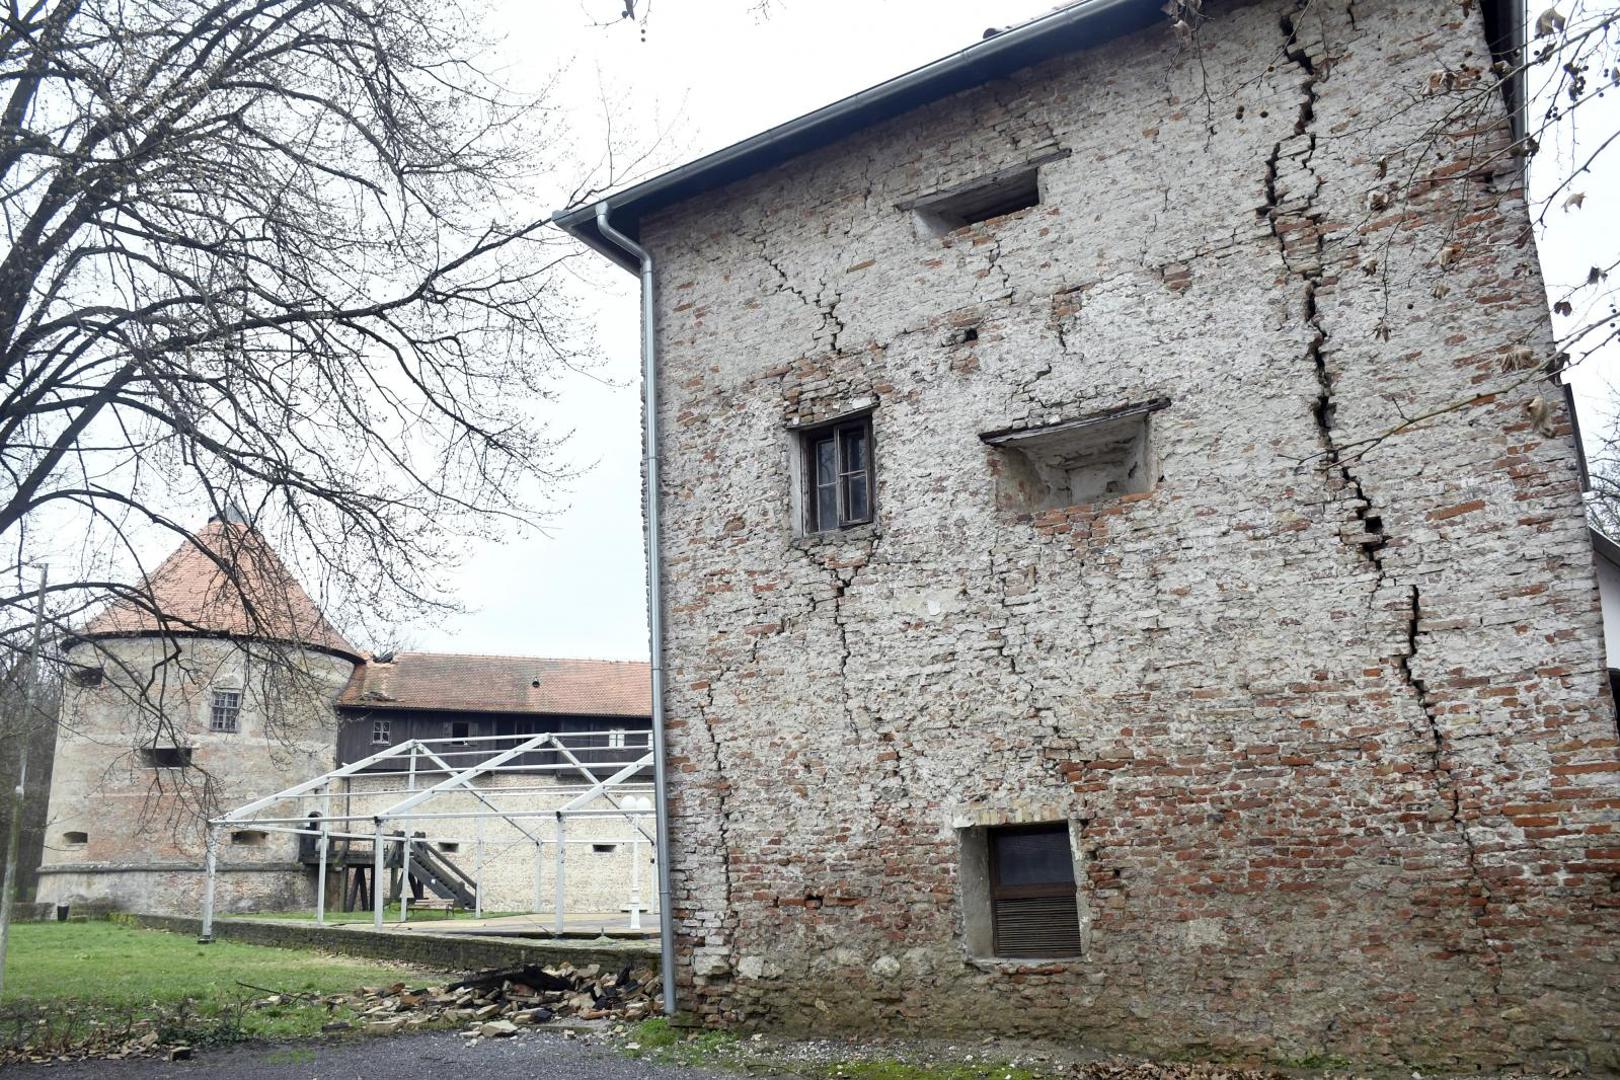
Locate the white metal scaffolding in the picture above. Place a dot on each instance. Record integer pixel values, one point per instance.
(420, 772)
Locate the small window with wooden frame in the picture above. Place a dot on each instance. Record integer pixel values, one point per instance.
(225, 712)
(838, 474)
(1033, 909)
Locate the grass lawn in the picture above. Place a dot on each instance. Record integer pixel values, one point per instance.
(87, 979)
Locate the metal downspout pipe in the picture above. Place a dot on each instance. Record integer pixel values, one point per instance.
(655, 592)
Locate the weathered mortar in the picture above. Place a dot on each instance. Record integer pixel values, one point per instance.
(1335, 725)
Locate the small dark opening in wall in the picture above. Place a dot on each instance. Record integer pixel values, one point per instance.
(250, 838)
(75, 839)
(450, 847)
(88, 677)
(166, 757)
(604, 849)
(460, 730)
(1005, 195)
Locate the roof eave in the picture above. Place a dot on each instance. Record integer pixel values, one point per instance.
(1078, 26)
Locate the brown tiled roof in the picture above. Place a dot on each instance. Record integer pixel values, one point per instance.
(226, 580)
(502, 684)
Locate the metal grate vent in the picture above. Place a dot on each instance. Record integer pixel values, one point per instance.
(1037, 927)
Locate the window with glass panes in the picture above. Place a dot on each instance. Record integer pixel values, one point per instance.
(838, 475)
(226, 708)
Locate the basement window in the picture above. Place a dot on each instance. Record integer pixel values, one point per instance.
(250, 838)
(604, 849)
(1085, 460)
(837, 475)
(1019, 895)
(75, 839)
(449, 847)
(992, 199)
(165, 757)
(1032, 892)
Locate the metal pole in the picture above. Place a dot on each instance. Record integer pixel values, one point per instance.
(376, 876)
(211, 865)
(635, 884)
(655, 589)
(557, 885)
(478, 868)
(405, 848)
(320, 878)
(539, 858)
(14, 840)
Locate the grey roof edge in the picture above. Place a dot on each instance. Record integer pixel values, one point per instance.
(1070, 29)
(1607, 549)
(1083, 24)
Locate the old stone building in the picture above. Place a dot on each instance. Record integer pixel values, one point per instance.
(1054, 644)
(222, 682)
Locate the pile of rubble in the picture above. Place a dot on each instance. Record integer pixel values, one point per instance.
(496, 1004)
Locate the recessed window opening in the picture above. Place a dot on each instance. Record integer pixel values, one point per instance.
(604, 849)
(165, 757)
(381, 732)
(997, 198)
(250, 838)
(75, 839)
(449, 847)
(1032, 892)
(1085, 460)
(88, 677)
(226, 710)
(838, 475)
(460, 730)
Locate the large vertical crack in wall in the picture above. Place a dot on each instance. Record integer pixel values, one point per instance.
(1297, 225)
(1296, 222)
(1447, 785)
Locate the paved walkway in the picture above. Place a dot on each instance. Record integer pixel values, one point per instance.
(437, 1056)
(613, 924)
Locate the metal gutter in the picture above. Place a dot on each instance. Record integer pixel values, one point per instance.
(1078, 26)
(655, 591)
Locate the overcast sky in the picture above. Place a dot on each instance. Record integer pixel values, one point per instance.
(725, 73)
(722, 74)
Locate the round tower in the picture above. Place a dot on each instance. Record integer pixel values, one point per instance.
(210, 684)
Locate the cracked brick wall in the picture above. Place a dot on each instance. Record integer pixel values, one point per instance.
(1331, 721)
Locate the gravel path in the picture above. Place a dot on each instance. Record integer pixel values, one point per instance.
(436, 1056)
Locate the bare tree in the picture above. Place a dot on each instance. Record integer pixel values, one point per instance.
(273, 258)
(255, 258)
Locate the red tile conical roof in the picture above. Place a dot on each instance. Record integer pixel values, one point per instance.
(225, 581)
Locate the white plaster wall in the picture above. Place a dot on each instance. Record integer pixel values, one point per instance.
(1608, 575)
(594, 881)
(145, 826)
